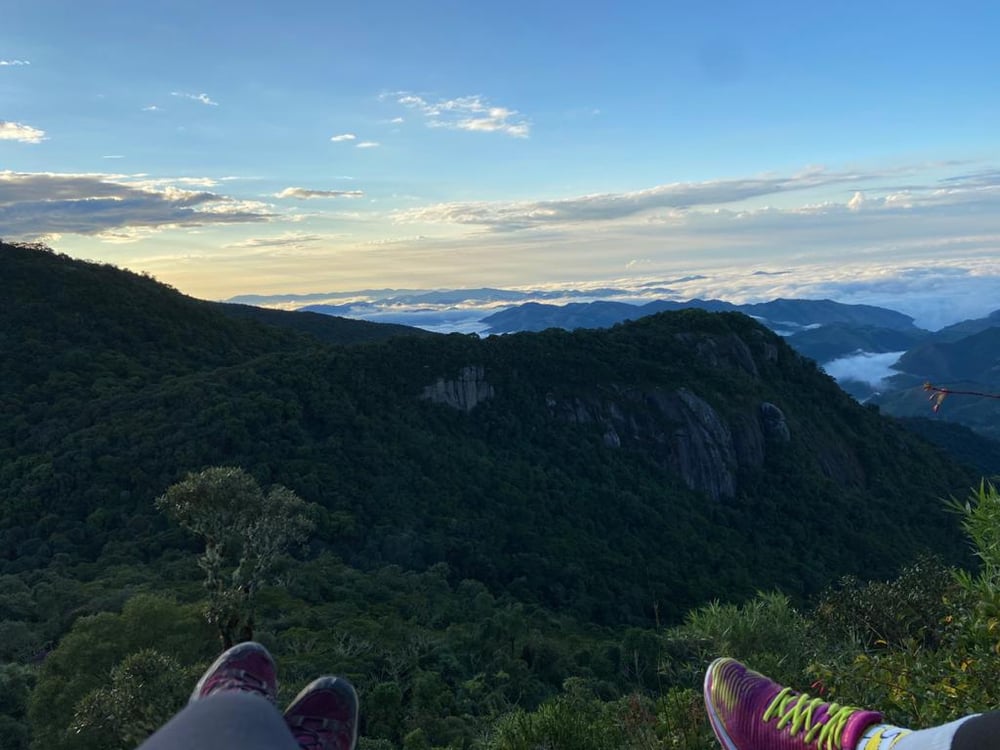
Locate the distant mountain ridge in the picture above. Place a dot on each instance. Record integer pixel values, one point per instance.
(828, 342)
(792, 314)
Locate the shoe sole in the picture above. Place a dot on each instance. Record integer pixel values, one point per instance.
(713, 715)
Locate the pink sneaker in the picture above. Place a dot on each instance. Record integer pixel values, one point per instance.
(324, 716)
(247, 667)
(750, 712)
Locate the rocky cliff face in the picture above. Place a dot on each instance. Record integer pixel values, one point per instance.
(465, 392)
(678, 427)
(682, 432)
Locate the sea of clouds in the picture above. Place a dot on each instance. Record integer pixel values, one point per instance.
(934, 294)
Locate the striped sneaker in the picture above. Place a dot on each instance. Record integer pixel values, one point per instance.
(247, 667)
(750, 712)
(324, 716)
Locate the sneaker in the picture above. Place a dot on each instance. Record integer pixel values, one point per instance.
(750, 712)
(324, 716)
(247, 667)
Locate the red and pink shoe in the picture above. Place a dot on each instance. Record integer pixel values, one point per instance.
(324, 716)
(246, 667)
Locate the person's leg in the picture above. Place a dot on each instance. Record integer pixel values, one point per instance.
(232, 708)
(973, 732)
(230, 720)
(748, 711)
(980, 732)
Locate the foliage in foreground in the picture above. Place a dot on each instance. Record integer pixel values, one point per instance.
(441, 664)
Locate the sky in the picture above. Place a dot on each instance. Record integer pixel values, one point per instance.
(770, 149)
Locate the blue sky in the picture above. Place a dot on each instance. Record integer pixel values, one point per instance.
(233, 148)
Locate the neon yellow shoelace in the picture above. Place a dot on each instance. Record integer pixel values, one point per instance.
(801, 717)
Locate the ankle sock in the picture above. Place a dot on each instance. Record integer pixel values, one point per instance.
(944, 737)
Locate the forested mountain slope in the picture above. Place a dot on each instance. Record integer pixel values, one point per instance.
(660, 463)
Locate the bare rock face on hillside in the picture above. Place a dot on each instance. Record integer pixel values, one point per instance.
(465, 392)
(704, 437)
(728, 351)
(678, 429)
(773, 421)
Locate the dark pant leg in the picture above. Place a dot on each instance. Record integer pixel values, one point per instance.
(226, 721)
(978, 733)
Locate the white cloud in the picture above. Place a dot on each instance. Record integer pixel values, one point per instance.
(203, 98)
(113, 156)
(866, 367)
(16, 131)
(305, 193)
(397, 121)
(34, 204)
(151, 108)
(368, 144)
(343, 137)
(6, 63)
(472, 113)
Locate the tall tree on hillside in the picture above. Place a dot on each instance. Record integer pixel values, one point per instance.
(245, 532)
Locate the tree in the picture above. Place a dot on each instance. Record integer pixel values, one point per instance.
(95, 645)
(145, 690)
(245, 532)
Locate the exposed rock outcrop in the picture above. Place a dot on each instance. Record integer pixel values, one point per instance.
(465, 392)
(678, 429)
(772, 419)
(729, 351)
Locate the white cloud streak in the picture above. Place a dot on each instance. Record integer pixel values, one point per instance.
(203, 98)
(697, 203)
(288, 239)
(471, 113)
(13, 63)
(678, 197)
(308, 194)
(368, 144)
(343, 137)
(16, 131)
